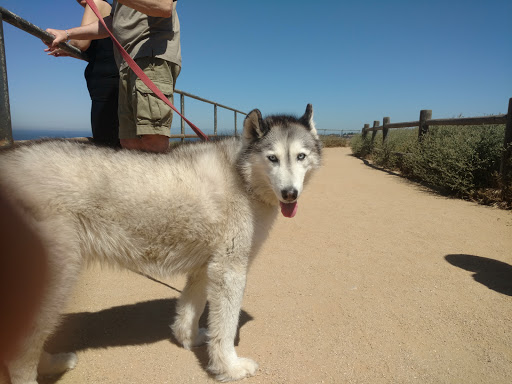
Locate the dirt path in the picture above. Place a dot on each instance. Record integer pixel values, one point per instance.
(374, 281)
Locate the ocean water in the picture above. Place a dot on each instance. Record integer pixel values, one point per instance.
(32, 134)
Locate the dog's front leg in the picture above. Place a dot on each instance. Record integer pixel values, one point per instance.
(225, 293)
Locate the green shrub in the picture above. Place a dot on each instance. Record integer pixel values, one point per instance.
(390, 153)
(458, 159)
(463, 160)
(361, 147)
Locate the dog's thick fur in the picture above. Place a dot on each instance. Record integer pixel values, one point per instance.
(202, 209)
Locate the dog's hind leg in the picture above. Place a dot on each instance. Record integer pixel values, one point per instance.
(189, 309)
(34, 361)
(63, 269)
(23, 369)
(225, 292)
(31, 358)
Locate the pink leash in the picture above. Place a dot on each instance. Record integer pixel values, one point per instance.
(135, 68)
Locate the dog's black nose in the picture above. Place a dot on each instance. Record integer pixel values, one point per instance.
(289, 194)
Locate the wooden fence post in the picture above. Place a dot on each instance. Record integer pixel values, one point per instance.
(364, 131)
(374, 133)
(5, 109)
(506, 158)
(425, 114)
(385, 130)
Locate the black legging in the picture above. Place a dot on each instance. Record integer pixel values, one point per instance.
(102, 78)
(105, 121)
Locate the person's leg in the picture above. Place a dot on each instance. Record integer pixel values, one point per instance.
(151, 117)
(126, 114)
(105, 121)
(148, 143)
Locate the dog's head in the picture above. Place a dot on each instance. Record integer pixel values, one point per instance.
(280, 154)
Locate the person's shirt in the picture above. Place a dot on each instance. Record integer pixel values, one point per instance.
(146, 36)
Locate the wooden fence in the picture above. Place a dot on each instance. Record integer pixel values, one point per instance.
(425, 121)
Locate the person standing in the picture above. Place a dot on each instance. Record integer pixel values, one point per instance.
(102, 78)
(149, 31)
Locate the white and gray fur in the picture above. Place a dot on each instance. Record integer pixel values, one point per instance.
(202, 209)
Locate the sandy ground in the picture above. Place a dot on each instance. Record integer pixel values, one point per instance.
(376, 280)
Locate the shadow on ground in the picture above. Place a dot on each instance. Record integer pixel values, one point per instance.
(135, 324)
(374, 166)
(494, 274)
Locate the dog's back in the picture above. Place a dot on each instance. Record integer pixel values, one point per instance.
(128, 200)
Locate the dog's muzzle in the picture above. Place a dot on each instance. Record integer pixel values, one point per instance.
(289, 194)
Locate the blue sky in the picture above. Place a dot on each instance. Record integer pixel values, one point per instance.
(355, 61)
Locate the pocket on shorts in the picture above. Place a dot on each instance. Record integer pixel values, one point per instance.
(150, 109)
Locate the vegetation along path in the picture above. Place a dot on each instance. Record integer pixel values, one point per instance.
(376, 280)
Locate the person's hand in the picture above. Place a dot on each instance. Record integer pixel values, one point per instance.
(56, 52)
(60, 36)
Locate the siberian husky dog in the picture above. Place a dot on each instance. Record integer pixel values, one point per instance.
(202, 210)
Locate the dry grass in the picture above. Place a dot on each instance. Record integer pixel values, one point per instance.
(334, 141)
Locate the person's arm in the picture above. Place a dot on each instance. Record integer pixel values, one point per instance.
(92, 31)
(157, 8)
(88, 18)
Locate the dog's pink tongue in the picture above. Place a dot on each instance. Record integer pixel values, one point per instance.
(288, 210)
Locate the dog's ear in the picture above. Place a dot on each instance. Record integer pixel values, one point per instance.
(253, 126)
(307, 119)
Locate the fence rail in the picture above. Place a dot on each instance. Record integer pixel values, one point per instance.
(24, 25)
(491, 120)
(425, 121)
(215, 106)
(20, 23)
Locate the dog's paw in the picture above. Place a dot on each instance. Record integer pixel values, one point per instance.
(5, 381)
(25, 382)
(188, 340)
(50, 365)
(242, 368)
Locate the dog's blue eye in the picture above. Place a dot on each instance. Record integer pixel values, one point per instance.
(272, 158)
(301, 156)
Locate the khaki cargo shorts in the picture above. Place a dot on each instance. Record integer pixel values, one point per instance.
(141, 112)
